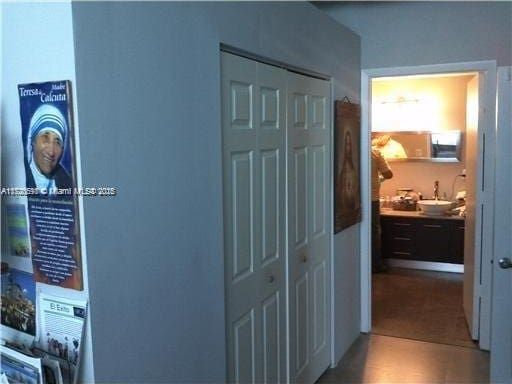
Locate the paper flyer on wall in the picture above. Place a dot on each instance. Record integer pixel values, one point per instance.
(17, 230)
(20, 368)
(18, 294)
(50, 173)
(61, 325)
(52, 371)
(56, 370)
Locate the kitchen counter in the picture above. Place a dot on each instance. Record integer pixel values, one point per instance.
(417, 214)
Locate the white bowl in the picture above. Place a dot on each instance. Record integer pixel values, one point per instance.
(434, 207)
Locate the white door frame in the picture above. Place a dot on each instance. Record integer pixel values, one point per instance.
(501, 370)
(488, 69)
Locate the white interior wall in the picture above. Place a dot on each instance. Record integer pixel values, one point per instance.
(148, 78)
(400, 33)
(37, 46)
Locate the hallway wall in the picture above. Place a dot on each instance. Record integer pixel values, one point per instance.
(416, 33)
(34, 52)
(148, 84)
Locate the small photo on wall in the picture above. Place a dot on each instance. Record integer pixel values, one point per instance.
(17, 230)
(19, 301)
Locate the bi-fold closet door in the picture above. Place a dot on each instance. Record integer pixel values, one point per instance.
(309, 226)
(276, 167)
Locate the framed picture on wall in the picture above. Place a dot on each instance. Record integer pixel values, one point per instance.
(347, 154)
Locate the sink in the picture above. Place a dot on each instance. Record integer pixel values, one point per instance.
(434, 207)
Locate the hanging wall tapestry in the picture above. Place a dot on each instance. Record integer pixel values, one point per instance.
(347, 154)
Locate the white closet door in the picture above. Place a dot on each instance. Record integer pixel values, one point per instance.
(309, 226)
(254, 157)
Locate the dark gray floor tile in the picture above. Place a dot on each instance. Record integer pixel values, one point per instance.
(411, 305)
(421, 305)
(468, 366)
(382, 359)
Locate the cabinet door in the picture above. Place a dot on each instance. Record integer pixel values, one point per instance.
(434, 241)
(458, 242)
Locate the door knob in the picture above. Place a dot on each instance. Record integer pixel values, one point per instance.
(505, 263)
(304, 258)
(270, 278)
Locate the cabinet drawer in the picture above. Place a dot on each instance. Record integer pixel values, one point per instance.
(401, 244)
(401, 233)
(398, 248)
(400, 255)
(397, 227)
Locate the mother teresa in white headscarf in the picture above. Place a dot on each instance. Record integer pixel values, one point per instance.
(46, 142)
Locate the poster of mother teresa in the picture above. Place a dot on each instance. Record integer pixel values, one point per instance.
(44, 111)
(47, 133)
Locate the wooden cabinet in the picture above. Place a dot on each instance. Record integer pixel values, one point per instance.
(458, 242)
(424, 239)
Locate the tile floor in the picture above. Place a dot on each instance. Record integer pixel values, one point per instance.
(384, 359)
(420, 305)
(419, 334)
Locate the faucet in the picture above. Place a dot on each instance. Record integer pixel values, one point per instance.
(436, 190)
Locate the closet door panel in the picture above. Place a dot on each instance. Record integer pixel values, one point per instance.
(309, 226)
(254, 141)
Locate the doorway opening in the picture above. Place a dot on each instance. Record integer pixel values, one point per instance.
(420, 295)
(437, 282)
